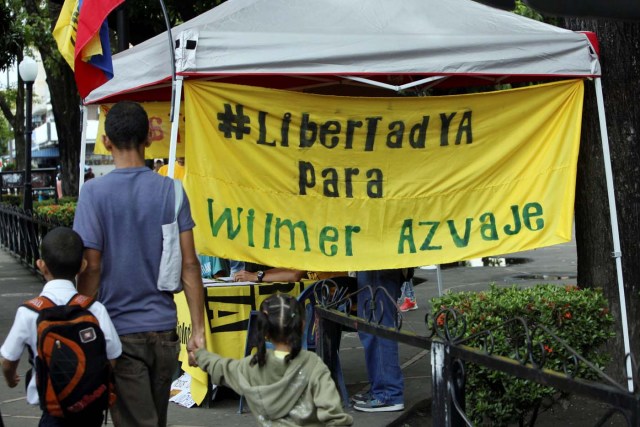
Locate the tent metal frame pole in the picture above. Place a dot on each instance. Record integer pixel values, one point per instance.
(83, 146)
(392, 87)
(371, 82)
(617, 253)
(175, 122)
(420, 82)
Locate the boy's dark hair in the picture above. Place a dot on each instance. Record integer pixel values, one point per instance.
(281, 319)
(127, 125)
(62, 250)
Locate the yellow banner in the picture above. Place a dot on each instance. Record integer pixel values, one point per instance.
(318, 182)
(159, 130)
(227, 310)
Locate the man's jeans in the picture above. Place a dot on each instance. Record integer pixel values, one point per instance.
(381, 355)
(88, 420)
(407, 291)
(143, 378)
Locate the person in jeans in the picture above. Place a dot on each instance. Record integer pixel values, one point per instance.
(119, 217)
(407, 300)
(386, 391)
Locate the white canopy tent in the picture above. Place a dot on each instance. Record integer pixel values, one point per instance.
(302, 44)
(295, 44)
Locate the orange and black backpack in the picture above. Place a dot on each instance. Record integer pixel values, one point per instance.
(73, 375)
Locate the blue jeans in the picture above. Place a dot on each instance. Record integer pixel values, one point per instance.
(381, 355)
(407, 291)
(143, 376)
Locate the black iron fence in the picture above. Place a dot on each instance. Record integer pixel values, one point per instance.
(21, 233)
(450, 356)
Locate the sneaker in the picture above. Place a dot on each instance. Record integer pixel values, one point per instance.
(374, 405)
(408, 305)
(364, 397)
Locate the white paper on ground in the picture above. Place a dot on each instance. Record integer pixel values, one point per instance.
(181, 391)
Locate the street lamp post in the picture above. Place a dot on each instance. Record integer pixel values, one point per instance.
(28, 69)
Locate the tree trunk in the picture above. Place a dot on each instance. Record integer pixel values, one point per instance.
(65, 104)
(65, 101)
(619, 55)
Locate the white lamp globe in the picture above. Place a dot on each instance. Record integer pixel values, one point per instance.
(28, 69)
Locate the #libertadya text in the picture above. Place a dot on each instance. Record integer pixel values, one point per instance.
(366, 135)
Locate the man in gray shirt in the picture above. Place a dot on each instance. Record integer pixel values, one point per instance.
(120, 217)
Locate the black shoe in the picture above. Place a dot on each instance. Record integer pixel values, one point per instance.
(374, 405)
(364, 397)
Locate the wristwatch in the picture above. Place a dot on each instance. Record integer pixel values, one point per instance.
(260, 275)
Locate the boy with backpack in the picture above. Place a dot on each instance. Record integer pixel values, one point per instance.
(70, 337)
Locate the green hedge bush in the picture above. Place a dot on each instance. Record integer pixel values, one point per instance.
(580, 317)
(61, 213)
(12, 199)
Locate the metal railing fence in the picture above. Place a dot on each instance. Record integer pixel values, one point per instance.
(450, 356)
(21, 233)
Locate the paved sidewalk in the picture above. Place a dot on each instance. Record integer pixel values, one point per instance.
(555, 264)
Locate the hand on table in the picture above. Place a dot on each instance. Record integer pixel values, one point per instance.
(245, 276)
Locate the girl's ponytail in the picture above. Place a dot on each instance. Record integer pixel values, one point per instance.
(295, 326)
(281, 319)
(262, 328)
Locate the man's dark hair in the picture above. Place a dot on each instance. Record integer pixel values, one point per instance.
(62, 251)
(127, 125)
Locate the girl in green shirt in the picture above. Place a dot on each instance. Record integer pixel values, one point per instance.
(286, 385)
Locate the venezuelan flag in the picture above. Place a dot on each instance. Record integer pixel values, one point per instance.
(66, 30)
(82, 35)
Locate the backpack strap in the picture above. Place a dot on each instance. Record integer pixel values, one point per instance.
(38, 304)
(81, 300)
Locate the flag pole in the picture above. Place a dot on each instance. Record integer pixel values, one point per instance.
(173, 56)
(172, 159)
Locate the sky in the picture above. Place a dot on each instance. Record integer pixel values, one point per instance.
(8, 77)
(40, 88)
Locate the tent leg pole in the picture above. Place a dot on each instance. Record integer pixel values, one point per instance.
(83, 147)
(439, 279)
(175, 121)
(617, 253)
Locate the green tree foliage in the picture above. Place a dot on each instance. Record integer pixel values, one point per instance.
(12, 35)
(524, 10)
(6, 135)
(12, 42)
(145, 18)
